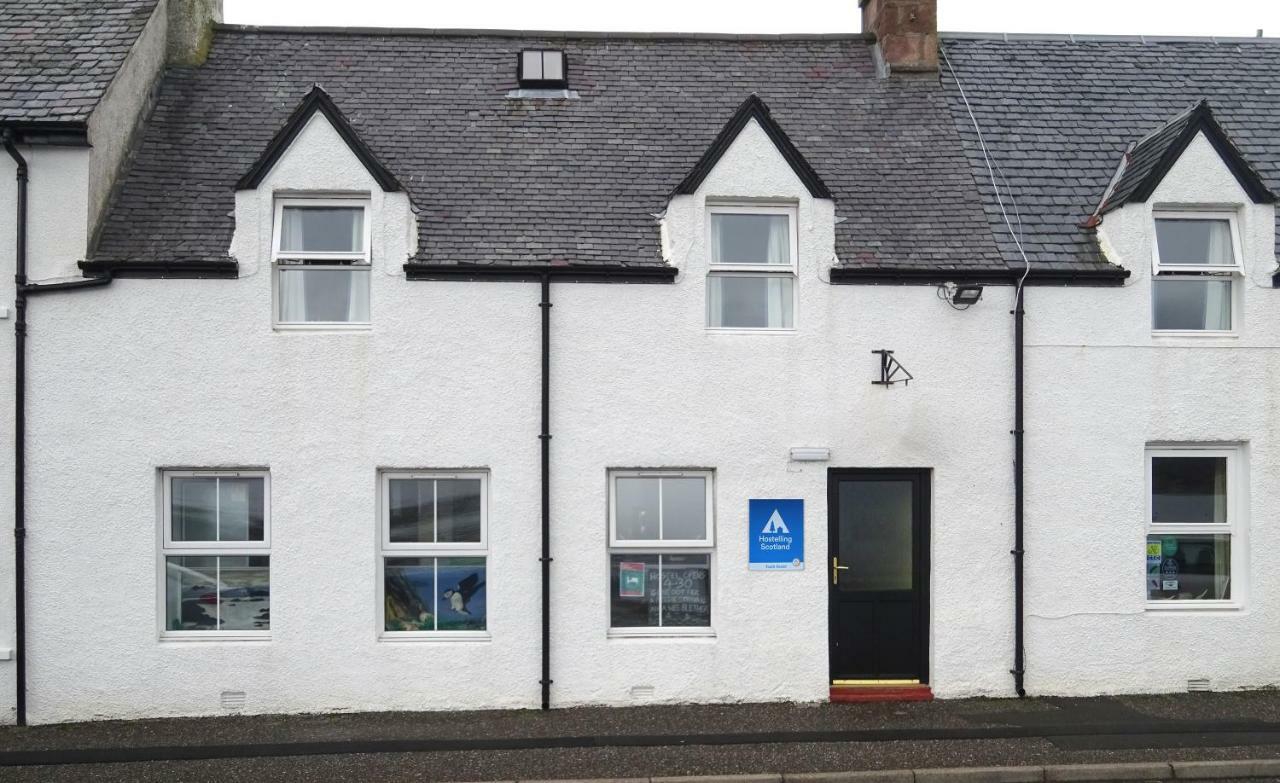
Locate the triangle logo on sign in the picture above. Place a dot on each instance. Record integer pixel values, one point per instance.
(775, 525)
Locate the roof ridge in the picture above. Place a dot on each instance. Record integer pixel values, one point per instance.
(465, 32)
(1103, 38)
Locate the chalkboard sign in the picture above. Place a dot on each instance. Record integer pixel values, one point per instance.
(686, 593)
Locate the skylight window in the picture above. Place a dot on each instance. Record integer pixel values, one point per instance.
(542, 68)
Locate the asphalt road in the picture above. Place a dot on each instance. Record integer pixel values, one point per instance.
(597, 742)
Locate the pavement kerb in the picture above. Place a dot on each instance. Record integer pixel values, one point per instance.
(1236, 769)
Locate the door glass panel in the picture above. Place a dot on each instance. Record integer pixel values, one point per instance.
(875, 535)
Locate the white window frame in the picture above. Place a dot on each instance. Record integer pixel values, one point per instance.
(1235, 526)
(387, 548)
(755, 270)
(281, 259)
(168, 547)
(705, 546)
(1201, 272)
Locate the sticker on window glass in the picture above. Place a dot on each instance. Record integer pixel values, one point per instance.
(1169, 574)
(631, 580)
(1154, 554)
(1169, 545)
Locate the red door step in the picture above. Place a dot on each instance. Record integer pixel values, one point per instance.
(847, 694)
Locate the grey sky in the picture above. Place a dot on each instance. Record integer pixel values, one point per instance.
(1152, 17)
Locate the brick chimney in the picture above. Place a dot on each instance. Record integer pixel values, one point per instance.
(191, 30)
(906, 32)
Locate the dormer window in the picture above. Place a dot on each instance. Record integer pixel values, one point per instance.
(1197, 260)
(321, 255)
(542, 69)
(751, 283)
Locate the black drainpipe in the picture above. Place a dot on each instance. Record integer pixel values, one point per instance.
(545, 437)
(23, 289)
(1018, 668)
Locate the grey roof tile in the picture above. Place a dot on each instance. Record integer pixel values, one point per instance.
(1058, 114)
(503, 181)
(58, 56)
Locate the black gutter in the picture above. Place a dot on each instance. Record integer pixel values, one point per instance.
(565, 273)
(22, 290)
(907, 276)
(54, 133)
(19, 433)
(150, 270)
(1018, 670)
(545, 438)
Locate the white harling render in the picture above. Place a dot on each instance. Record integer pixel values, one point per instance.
(1106, 388)
(295, 434)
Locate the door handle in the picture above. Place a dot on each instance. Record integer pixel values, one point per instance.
(836, 568)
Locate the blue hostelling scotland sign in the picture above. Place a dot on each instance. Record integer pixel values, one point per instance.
(776, 535)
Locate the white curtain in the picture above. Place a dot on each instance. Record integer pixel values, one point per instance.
(779, 297)
(715, 301)
(1217, 304)
(324, 295)
(291, 229)
(1219, 242)
(779, 250)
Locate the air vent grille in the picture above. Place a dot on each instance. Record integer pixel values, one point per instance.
(1197, 685)
(232, 700)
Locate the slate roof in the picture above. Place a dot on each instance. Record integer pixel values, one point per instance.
(1058, 113)
(1146, 162)
(58, 56)
(501, 181)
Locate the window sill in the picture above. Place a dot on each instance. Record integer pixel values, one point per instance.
(170, 637)
(434, 636)
(326, 327)
(727, 330)
(1192, 605)
(662, 633)
(1195, 334)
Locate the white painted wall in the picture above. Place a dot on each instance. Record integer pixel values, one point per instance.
(1093, 411)
(56, 232)
(145, 374)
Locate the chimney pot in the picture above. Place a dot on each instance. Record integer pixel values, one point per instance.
(906, 32)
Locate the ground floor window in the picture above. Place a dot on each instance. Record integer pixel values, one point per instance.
(434, 553)
(215, 552)
(661, 542)
(1195, 523)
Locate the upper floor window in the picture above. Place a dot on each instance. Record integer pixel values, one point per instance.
(321, 255)
(752, 278)
(543, 68)
(1197, 258)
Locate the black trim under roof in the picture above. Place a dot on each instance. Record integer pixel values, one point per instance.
(54, 133)
(222, 270)
(753, 108)
(317, 100)
(933, 276)
(1199, 119)
(567, 273)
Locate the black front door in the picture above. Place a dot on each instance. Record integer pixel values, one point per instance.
(879, 573)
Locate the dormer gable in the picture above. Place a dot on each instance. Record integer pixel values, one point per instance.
(1147, 161)
(753, 108)
(317, 100)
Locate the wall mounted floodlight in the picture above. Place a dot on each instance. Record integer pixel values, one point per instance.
(966, 294)
(961, 296)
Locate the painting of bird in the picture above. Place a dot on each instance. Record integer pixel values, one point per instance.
(461, 593)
